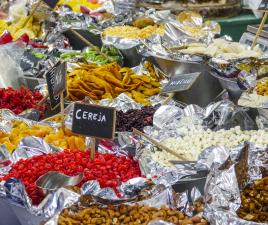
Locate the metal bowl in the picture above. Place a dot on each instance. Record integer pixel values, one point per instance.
(205, 88)
(78, 44)
(230, 84)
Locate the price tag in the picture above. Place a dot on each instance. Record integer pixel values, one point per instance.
(180, 82)
(263, 5)
(51, 3)
(94, 121)
(56, 83)
(28, 61)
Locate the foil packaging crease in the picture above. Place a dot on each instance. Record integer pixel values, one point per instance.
(14, 191)
(120, 43)
(165, 47)
(176, 37)
(219, 115)
(8, 116)
(226, 181)
(159, 196)
(158, 173)
(28, 147)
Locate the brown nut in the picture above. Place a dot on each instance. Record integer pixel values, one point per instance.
(97, 220)
(187, 222)
(196, 219)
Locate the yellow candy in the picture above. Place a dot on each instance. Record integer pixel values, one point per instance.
(3, 26)
(57, 138)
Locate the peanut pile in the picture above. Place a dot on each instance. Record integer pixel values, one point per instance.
(125, 214)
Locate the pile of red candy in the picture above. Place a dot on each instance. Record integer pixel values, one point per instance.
(109, 170)
(20, 100)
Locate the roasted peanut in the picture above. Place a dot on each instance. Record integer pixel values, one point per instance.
(187, 221)
(196, 219)
(124, 215)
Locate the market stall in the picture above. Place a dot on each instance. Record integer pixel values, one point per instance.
(131, 112)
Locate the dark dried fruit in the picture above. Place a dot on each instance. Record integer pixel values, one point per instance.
(135, 118)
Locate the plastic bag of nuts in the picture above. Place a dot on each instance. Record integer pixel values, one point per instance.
(124, 214)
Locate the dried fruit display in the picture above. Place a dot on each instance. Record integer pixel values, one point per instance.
(19, 100)
(134, 118)
(108, 81)
(109, 170)
(57, 138)
(32, 28)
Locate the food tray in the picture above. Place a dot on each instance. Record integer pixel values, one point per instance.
(203, 91)
(77, 43)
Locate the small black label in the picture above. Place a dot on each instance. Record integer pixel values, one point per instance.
(28, 61)
(56, 83)
(51, 3)
(94, 121)
(180, 82)
(263, 5)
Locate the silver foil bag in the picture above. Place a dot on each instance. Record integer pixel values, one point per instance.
(227, 180)
(172, 121)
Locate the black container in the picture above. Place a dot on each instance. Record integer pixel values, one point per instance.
(187, 184)
(79, 44)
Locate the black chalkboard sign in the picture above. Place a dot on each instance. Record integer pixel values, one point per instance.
(51, 3)
(54, 100)
(28, 61)
(180, 82)
(56, 83)
(263, 5)
(94, 121)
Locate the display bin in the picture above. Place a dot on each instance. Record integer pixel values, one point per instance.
(8, 217)
(237, 25)
(24, 217)
(205, 89)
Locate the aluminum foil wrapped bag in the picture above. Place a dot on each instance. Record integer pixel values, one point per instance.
(231, 68)
(14, 191)
(238, 62)
(121, 43)
(179, 127)
(157, 197)
(226, 181)
(123, 6)
(125, 42)
(67, 20)
(71, 20)
(8, 117)
(171, 121)
(253, 100)
(167, 47)
(188, 28)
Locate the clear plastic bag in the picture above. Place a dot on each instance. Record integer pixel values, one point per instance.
(10, 71)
